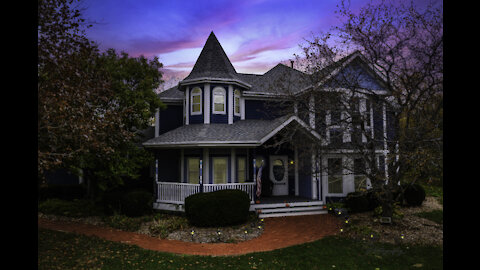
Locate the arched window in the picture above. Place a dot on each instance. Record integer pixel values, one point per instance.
(219, 98)
(196, 101)
(236, 102)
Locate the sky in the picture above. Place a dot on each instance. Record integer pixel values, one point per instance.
(255, 34)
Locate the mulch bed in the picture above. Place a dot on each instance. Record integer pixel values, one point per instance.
(410, 229)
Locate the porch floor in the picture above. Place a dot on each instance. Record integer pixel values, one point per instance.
(283, 199)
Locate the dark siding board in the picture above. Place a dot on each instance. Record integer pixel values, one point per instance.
(391, 126)
(168, 165)
(170, 118)
(262, 109)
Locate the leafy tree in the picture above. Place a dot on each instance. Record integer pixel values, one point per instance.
(92, 106)
(401, 47)
(76, 111)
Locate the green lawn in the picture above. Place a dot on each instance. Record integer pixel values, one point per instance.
(58, 250)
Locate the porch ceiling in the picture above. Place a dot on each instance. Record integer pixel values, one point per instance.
(246, 133)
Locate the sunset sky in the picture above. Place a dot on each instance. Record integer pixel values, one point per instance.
(255, 34)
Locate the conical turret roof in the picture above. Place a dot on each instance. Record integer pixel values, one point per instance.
(213, 63)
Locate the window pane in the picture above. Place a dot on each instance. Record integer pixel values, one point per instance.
(193, 170)
(241, 170)
(219, 170)
(218, 99)
(219, 107)
(196, 99)
(237, 105)
(335, 117)
(335, 177)
(195, 107)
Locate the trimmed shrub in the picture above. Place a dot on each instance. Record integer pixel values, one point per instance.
(218, 208)
(357, 202)
(414, 195)
(75, 208)
(63, 192)
(136, 203)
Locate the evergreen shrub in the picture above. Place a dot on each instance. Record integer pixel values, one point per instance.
(414, 195)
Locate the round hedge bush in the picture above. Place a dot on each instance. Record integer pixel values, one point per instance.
(218, 208)
(414, 195)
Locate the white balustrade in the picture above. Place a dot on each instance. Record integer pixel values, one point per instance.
(170, 192)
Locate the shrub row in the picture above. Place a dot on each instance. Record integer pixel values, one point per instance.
(63, 192)
(413, 195)
(132, 204)
(218, 208)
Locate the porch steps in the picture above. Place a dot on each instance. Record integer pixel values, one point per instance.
(289, 209)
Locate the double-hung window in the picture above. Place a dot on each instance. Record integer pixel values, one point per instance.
(219, 101)
(193, 165)
(236, 102)
(196, 101)
(335, 175)
(241, 169)
(219, 170)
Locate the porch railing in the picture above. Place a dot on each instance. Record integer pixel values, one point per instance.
(171, 192)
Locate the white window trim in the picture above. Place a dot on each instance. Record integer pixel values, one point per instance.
(191, 101)
(224, 100)
(236, 94)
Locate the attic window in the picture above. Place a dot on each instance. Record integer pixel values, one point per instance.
(236, 102)
(196, 101)
(219, 100)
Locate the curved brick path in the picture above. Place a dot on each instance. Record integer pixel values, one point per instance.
(279, 232)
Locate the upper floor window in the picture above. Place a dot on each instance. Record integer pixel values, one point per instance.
(196, 101)
(236, 102)
(368, 113)
(219, 98)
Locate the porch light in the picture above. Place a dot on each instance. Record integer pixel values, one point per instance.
(291, 162)
(341, 230)
(402, 236)
(259, 227)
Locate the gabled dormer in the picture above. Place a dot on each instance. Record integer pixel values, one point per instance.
(213, 90)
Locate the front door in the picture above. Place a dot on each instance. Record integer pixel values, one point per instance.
(279, 175)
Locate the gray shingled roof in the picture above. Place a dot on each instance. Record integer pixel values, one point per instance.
(251, 132)
(171, 94)
(213, 63)
(280, 80)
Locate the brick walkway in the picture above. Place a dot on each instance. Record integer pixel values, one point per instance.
(279, 233)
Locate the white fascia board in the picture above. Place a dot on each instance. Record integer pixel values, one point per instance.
(348, 151)
(215, 80)
(284, 124)
(172, 100)
(205, 144)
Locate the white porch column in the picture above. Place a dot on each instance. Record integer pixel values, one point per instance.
(314, 175)
(182, 165)
(206, 104)
(187, 105)
(233, 168)
(157, 121)
(242, 108)
(206, 165)
(230, 104)
(295, 153)
(385, 146)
